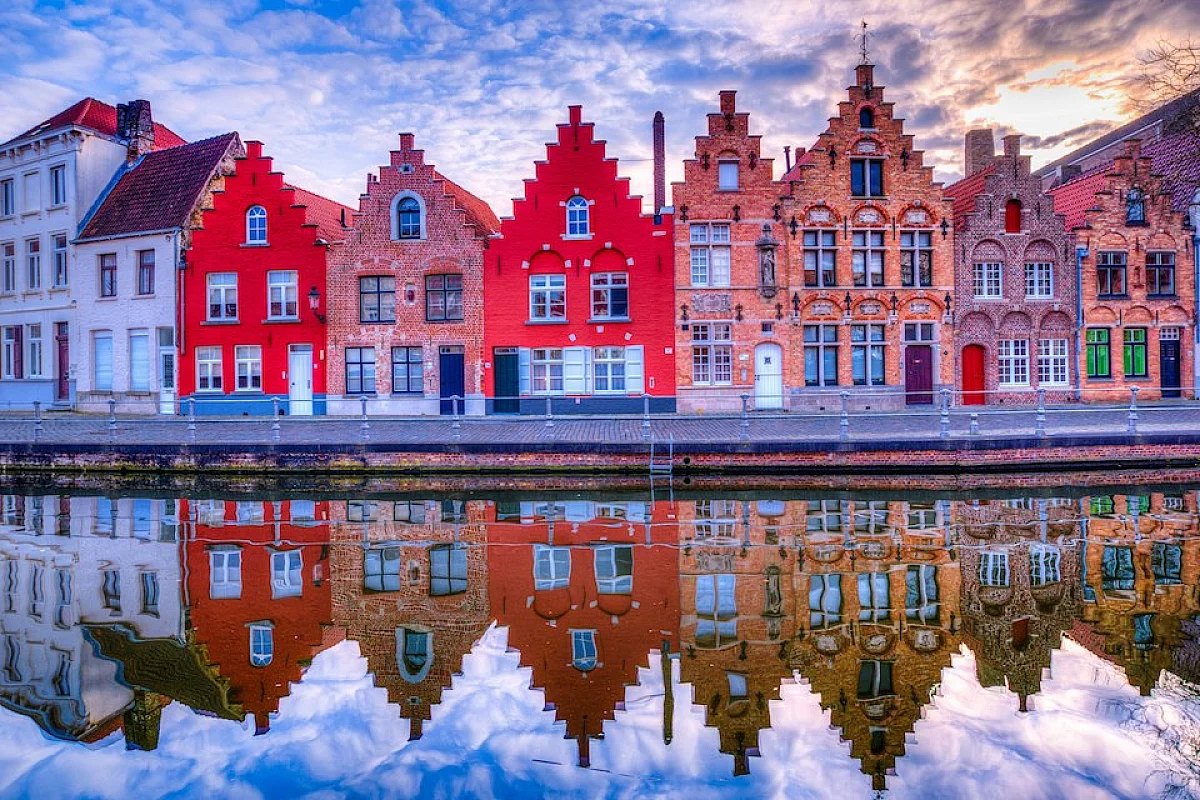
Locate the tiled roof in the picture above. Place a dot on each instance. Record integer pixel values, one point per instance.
(326, 214)
(794, 174)
(1177, 158)
(964, 192)
(100, 117)
(480, 214)
(1076, 196)
(160, 191)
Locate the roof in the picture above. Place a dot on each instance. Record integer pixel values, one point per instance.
(1077, 195)
(100, 117)
(964, 192)
(479, 213)
(1177, 158)
(160, 191)
(328, 215)
(794, 174)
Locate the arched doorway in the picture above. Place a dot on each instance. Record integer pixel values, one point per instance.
(973, 383)
(768, 376)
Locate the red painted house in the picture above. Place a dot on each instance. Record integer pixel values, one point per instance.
(253, 295)
(258, 592)
(579, 290)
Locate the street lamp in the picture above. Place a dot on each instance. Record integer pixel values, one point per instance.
(314, 303)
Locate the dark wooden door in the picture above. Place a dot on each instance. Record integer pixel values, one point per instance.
(973, 384)
(1169, 367)
(62, 383)
(507, 368)
(918, 374)
(453, 381)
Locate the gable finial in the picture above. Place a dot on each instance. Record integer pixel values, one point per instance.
(864, 57)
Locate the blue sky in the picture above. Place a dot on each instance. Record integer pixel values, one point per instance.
(328, 85)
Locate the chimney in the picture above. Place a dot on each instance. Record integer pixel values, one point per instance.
(576, 114)
(660, 162)
(1070, 172)
(980, 150)
(406, 141)
(135, 127)
(1133, 148)
(864, 76)
(787, 158)
(1012, 145)
(728, 104)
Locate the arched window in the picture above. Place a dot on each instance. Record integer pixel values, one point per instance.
(577, 217)
(408, 219)
(1135, 207)
(583, 650)
(256, 225)
(866, 118)
(262, 644)
(414, 653)
(1012, 216)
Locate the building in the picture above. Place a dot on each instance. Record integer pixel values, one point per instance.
(733, 293)
(578, 316)
(1137, 268)
(254, 299)
(406, 294)
(873, 230)
(128, 253)
(1014, 282)
(50, 177)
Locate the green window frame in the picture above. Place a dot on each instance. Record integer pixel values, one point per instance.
(1099, 363)
(1135, 361)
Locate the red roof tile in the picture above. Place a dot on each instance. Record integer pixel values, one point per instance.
(99, 117)
(1076, 196)
(964, 192)
(160, 191)
(480, 214)
(326, 214)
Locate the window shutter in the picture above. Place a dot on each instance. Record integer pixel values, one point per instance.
(635, 382)
(523, 371)
(575, 370)
(18, 368)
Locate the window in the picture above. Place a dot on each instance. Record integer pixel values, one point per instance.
(866, 118)
(142, 509)
(867, 258)
(110, 590)
(225, 574)
(1039, 279)
(256, 225)
(64, 594)
(1110, 273)
(577, 217)
(208, 369)
(710, 254)
(360, 370)
(407, 371)
(361, 511)
(1116, 569)
(866, 177)
(248, 362)
(409, 511)
(249, 512)
(443, 298)
(377, 299)
(58, 185)
(614, 569)
(551, 567)
(33, 253)
(820, 355)
(286, 568)
(916, 258)
(548, 297)
(1099, 364)
(381, 569)
(8, 251)
(61, 270)
(413, 652)
(921, 594)
(610, 295)
(31, 192)
(608, 367)
(33, 362)
(820, 258)
(1135, 207)
(222, 296)
(871, 517)
(987, 279)
(1166, 562)
(102, 361)
(283, 294)
(12, 656)
(1014, 362)
(874, 597)
(712, 353)
(447, 570)
(408, 218)
(874, 680)
(583, 650)
(1012, 216)
(149, 582)
(1135, 353)
(866, 355)
(825, 601)
(993, 568)
(716, 609)
(262, 645)
(1044, 565)
(715, 519)
(546, 370)
(37, 591)
(727, 175)
(8, 198)
(1101, 505)
(1052, 362)
(1160, 273)
(108, 275)
(139, 361)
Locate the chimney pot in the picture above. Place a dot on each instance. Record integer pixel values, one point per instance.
(660, 162)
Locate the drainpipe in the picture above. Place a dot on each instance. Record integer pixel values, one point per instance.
(1194, 214)
(1080, 254)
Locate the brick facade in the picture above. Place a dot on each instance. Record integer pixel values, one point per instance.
(411, 293)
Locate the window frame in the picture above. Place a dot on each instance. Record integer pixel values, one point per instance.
(872, 345)
(1039, 275)
(107, 263)
(1098, 349)
(222, 286)
(1012, 359)
(58, 186)
(262, 644)
(712, 353)
(872, 242)
(97, 384)
(917, 250)
(8, 197)
(1112, 268)
(256, 226)
(987, 280)
(1135, 349)
(604, 375)
(823, 245)
(610, 290)
(145, 273)
(870, 178)
(725, 167)
(1160, 264)
(365, 361)
(1052, 363)
(818, 350)
(408, 361)
(33, 263)
(444, 302)
(210, 370)
(578, 218)
(547, 367)
(708, 239)
(283, 291)
(409, 218)
(376, 292)
(249, 357)
(8, 263)
(548, 297)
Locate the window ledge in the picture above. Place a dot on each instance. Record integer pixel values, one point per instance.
(1100, 378)
(211, 392)
(144, 296)
(1137, 378)
(221, 322)
(57, 289)
(577, 237)
(411, 395)
(444, 321)
(408, 239)
(1112, 297)
(546, 322)
(249, 392)
(1162, 297)
(607, 320)
(255, 244)
(989, 298)
(727, 189)
(107, 298)
(377, 322)
(29, 292)
(1042, 297)
(56, 207)
(281, 321)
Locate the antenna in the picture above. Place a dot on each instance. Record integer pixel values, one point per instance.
(862, 49)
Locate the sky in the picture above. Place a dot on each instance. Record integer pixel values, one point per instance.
(327, 84)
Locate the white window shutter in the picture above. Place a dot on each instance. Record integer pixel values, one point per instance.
(523, 371)
(575, 370)
(636, 512)
(635, 381)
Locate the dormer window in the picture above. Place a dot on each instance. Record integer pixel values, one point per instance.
(866, 118)
(578, 222)
(408, 219)
(1135, 207)
(727, 175)
(1012, 216)
(256, 225)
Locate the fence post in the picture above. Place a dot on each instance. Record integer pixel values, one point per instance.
(1133, 411)
(745, 424)
(549, 413)
(944, 424)
(37, 420)
(844, 425)
(456, 424)
(112, 420)
(974, 424)
(275, 419)
(645, 417)
(191, 425)
(1039, 421)
(364, 427)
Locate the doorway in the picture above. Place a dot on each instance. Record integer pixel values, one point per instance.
(507, 380)
(918, 374)
(300, 380)
(62, 382)
(768, 377)
(1168, 361)
(973, 382)
(452, 374)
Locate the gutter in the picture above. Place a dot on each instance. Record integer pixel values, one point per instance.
(125, 235)
(1080, 326)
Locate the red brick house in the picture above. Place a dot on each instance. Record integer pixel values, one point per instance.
(580, 290)
(1014, 281)
(1138, 280)
(406, 294)
(253, 295)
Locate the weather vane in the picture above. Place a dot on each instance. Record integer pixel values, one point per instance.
(862, 50)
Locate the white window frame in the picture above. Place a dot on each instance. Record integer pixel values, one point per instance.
(256, 225)
(394, 212)
(247, 359)
(8, 197)
(543, 291)
(728, 179)
(1053, 362)
(210, 369)
(546, 369)
(31, 193)
(222, 287)
(262, 643)
(868, 245)
(608, 580)
(551, 567)
(8, 253)
(584, 655)
(102, 369)
(283, 290)
(139, 361)
(712, 353)
(1012, 356)
(987, 280)
(1045, 564)
(609, 375)
(225, 573)
(603, 286)
(578, 219)
(993, 568)
(34, 351)
(710, 254)
(287, 573)
(62, 274)
(58, 185)
(33, 263)
(1039, 280)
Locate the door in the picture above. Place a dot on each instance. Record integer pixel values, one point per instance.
(166, 380)
(451, 370)
(62, 383)
(768, 377)
(300, 381)
(918, 374)
(506, 366)
(1168, 354)
(972, 376)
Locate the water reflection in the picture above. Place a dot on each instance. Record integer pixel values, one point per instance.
(116, 607)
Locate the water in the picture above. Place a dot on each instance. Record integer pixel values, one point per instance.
(408, 640)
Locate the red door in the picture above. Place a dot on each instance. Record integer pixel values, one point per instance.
(62, 386)
(918, 374)
(972, 375)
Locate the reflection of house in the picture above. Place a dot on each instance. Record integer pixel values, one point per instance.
(410, 586)
(258, 593)
(1142, 567)
(587, 589)
(882, 607)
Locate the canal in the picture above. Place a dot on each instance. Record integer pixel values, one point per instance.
(1037, 636)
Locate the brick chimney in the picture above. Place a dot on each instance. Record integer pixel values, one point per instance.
(660, 162)
(135, 127)
(728, 101)
(864, 76)
(979, 151)
(1012, 145)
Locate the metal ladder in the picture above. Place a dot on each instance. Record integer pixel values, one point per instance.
(662, 467)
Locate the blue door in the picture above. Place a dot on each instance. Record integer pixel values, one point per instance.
(453, 381)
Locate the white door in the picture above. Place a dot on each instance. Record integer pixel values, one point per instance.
(300, 368)
(166, 380)
(768, 376)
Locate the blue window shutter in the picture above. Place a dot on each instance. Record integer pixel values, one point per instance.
(523, 370)
(635, 381)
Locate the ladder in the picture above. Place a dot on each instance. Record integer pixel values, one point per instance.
(660, 465)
